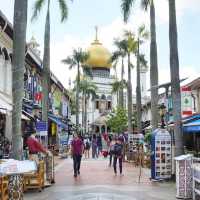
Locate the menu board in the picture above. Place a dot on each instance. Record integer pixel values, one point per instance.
(161, 157)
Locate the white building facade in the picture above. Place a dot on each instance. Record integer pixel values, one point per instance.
(98, 108)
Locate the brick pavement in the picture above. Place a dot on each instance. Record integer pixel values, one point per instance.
(97, 172)
(97, 181)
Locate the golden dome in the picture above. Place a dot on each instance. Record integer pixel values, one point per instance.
(99, 56)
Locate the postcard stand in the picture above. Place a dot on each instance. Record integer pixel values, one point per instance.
(161, 157)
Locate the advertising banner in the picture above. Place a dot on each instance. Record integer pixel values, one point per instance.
(186, 101)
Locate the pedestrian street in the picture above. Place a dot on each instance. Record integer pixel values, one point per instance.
(97, 181)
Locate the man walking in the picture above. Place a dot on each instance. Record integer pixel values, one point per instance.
(77, 149)
(118, 155)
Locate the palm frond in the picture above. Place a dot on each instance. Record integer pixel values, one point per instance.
(126, 6)
(87, 70)
(63, 9)
(142, 32)
(115, 65)
(69, 61)
(115, 56)
(145, 4)
(141, 29)
(37, 8)
(132, 65)
(143, 60)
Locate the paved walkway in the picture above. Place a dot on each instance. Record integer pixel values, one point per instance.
(98, 182)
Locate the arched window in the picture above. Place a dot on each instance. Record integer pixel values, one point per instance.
(5, 53)
(103, 97)
(109, 97)
(11, 57)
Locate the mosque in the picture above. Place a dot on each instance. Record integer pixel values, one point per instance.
(98, 109)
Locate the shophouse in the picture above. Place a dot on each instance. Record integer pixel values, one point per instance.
(32, 101)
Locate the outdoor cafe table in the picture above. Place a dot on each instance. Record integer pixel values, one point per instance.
(14, 170)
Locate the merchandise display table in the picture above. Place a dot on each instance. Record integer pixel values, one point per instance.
(4, 188)
(184, 176)
(49, 168)
(196, 178)
(15, 170)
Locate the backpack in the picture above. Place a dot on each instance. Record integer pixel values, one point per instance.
(87, 144)
(112, 149)
(118, 149)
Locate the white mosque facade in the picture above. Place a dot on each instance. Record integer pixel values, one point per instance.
(97, 109)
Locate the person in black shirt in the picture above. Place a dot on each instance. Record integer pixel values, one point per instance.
(118, 155)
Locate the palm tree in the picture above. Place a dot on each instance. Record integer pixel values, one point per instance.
(142, 64)
(88, 90)
(175, 80)
(142, 36)
(126, 9)
(46, 57)
(77, 59)
(19, 41)
(120, 53)
(117, 88)
(130, 48)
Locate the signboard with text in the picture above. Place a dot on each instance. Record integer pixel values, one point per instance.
(186, 101)
(41, 128)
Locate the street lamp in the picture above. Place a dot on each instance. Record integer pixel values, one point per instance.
(162, 114)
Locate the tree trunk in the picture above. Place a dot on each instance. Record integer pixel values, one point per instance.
(153, 69)
(138, 92)
(19, 41)
(175, 81)
(46, 69)
(77, 95)
(129, 97)
(121, 92)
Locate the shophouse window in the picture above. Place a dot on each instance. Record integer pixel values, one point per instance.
(97, 104)
(109, 105)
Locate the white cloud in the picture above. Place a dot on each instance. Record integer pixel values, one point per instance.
(107, 33)
(182, 6)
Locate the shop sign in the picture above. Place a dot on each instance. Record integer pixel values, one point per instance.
(186, 101)
(64, 108)
(41, 128)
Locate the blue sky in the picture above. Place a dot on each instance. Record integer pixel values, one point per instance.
(85, 14)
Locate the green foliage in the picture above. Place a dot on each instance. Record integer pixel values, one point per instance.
(118, 120)
(72, 102)
(78, 57)
(87, 87)
(147, 138)
(38, 4)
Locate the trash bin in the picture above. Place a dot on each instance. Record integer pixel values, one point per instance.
(184, 176)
